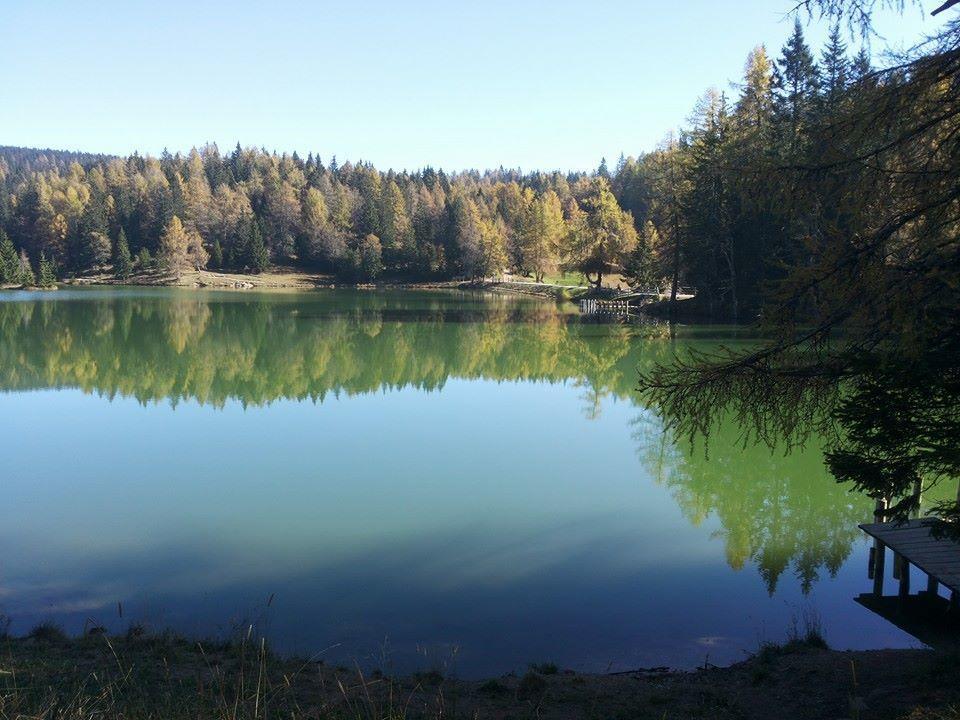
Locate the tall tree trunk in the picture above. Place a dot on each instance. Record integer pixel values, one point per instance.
(676, 265)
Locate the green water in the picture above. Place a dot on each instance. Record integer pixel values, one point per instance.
(402, 478)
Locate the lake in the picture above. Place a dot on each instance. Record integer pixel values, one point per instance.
(402, 479)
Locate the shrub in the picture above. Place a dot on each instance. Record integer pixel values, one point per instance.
(48, 632)
(532, 684)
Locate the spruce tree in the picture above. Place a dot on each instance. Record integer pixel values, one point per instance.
(795, 82)
(25, 274)
(834, 68)
(122, 261)
(216, 255)
(144, 260)
(48, 275)
(257, 256)
(860, 67)
(9, 264)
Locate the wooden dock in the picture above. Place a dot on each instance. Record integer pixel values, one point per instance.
(927, 615)
(914, 544)
(605, 307)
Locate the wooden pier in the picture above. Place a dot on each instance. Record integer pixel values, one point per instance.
(605, 307)
(927, 615)
(913, 543)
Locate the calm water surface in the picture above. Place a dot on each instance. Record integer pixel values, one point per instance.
(405, 479)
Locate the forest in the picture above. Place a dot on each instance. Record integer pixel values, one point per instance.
(698, 211)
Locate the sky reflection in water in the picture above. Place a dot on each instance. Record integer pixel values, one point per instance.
(427, 478)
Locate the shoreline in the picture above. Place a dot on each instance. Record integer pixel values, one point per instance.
(286, 278)
(289, 278)
(175, 677)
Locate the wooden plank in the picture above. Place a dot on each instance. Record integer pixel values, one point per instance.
(914, 543)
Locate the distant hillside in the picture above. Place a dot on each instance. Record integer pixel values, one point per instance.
(19, 160)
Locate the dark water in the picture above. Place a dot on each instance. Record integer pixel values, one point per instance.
(415, 479)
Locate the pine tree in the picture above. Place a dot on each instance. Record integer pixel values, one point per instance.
(122, 261)
(257, 256)
(834, 68)
(25, 274)
(860, 67)
(47, 275)
(370, 257)
(91, 245)
(795, 83)
(144, 260)
(9, 263)
(638, 266)
(216, 254)
(602, 170)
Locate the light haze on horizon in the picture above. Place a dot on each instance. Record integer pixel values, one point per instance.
(536, 85)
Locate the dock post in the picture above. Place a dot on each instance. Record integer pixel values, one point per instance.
(904, 590)
(879, 550)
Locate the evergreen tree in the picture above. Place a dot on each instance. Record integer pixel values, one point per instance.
(258, 258)
(9, 262)
(122, 261)
(638, 266)
(216, 255)
(25, 274)
(834, 68)
(47, 275)
(860, 67)
(795, 84)
(602, 170)
(144, 260)
(370, 257)
(91, 245)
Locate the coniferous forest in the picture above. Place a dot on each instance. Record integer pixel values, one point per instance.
(699, 211)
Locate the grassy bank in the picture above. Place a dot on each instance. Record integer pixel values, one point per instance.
(139, 676)
(290, 278)
(297, 279)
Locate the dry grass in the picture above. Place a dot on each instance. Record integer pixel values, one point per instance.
(140, 676)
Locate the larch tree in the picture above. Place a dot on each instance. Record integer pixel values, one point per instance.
(542, 233)
(396, 229)
(175, 245)
(606, 236)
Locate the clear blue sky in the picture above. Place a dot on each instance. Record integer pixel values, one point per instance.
(519, 83)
